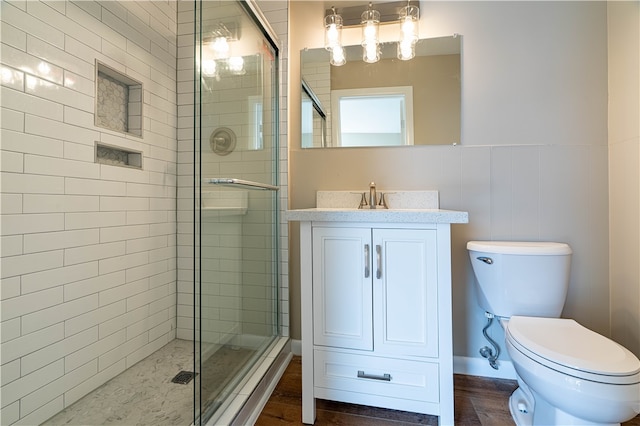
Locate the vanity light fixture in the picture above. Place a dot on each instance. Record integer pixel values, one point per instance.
(333, 38)
(404, 13)
(409, 18)
(370, 35)
(332, 30)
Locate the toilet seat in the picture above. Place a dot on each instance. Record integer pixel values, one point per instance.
(568, 347)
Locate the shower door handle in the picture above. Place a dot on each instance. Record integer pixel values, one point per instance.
(242, 183)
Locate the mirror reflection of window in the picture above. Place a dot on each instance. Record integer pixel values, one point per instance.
(382, 116)
(256, 141)
(307, 121)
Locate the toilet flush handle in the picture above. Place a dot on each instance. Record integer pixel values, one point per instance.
(487, 260)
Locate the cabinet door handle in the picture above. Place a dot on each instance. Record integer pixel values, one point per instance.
(379, 261)
(385, 377)
(367, 265)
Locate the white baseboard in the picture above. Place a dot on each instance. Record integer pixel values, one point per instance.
(296, 347)
(480, 367)
(461, 365)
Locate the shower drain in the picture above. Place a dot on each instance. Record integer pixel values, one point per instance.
(183, 377)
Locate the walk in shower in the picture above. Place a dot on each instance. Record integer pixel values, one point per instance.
(236, 198)
(140, 207)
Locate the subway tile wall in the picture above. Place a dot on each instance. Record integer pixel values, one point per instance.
(185, 170)
(88, 250)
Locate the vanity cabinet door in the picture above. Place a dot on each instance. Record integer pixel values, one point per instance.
(342, 293)
(405, 287)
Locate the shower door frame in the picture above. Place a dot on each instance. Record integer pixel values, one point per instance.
(200, 413)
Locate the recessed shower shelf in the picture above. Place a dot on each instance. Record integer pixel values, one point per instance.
(118, 101)
(116, 156)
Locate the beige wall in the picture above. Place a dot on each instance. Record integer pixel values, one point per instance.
(436, 103)
(624, 171)
(533, 163)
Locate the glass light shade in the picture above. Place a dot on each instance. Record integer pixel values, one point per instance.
(406, 50)
(409, 18)
(409, 22)
(370, 35)
(371, 52)
(370, 25)
(332, 31)
(338, 56)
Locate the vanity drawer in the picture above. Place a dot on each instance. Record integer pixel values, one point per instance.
(372, 375)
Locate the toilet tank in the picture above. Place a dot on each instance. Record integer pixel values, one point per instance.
(521, 278)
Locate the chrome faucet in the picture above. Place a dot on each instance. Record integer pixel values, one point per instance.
(376, 199)
(373, 199)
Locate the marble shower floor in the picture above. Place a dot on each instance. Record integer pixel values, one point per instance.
(144, 393)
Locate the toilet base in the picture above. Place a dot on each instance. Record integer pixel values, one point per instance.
(521, 408)
(529, 409)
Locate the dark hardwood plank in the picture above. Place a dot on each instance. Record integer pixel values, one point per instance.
(479, 401)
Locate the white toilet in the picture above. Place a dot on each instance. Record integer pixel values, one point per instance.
(567, 374)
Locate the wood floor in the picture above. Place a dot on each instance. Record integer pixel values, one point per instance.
(478, 401)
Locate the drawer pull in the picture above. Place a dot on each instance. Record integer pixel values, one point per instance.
(362, 375)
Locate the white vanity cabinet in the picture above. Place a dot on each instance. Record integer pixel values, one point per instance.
(375, 289)
(376, 309)
(375, 316)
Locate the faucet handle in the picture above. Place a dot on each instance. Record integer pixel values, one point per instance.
(382, 202)
(363, 201)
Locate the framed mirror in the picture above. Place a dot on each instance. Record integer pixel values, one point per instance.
(387, 103)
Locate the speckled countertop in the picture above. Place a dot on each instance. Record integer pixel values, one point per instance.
(378, 215)
(404, 207)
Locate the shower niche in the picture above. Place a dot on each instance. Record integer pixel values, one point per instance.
(118, 101)
(116, 156)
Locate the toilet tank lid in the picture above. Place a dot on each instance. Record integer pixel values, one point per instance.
(520, 247)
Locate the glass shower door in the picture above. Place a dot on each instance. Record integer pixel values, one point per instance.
(236, 275)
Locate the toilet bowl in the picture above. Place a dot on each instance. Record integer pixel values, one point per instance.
(573, 375)
(567, 374)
